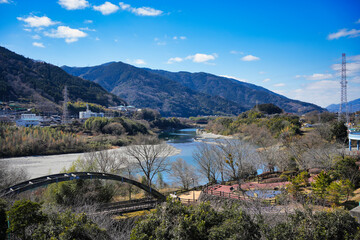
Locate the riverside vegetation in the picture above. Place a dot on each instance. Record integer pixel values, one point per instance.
(95, 134)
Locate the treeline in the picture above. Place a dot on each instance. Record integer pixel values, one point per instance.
(96, 133)
(75, 107)
(157, 122)
(21, 141)
(115, 126)
(277, 124)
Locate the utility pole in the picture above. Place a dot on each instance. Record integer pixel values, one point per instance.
(343, 83)
(65, 116)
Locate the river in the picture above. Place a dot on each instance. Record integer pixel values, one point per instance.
(185, 142)
(37, 166)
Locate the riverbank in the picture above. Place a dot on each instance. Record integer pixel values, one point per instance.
(201, 134)
(37, 166)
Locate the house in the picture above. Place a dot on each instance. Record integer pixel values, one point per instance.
(28, 120)
(88, 114)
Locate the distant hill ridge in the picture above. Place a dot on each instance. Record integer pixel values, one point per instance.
(246, 94)
(184, 93)
(353, 106)
(43, 83)
(143, 88)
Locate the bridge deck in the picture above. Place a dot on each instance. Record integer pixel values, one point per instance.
(61, 177)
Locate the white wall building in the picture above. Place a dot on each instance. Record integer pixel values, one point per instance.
(89, 114)
(28, 120)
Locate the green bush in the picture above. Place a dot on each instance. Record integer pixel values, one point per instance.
(307, 225)
(176, 221)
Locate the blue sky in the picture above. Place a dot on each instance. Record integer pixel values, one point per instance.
(291, 47)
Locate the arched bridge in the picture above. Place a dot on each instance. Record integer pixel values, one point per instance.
(62, 177)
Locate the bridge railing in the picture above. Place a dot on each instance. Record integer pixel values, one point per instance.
(55, 178)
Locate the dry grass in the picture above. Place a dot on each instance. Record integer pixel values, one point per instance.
(356, 196)
(134, 214)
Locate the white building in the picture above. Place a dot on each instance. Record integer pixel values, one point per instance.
(131, 109)
(28, 120)
(124, 108)
(89, 114)
(118, 108)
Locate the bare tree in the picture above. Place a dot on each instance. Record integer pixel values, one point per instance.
(240, 157)
(102, 161)
(184, 173)
(11, 176)
(150, 155)
(207, 162)
(321, 156)
(128, 170)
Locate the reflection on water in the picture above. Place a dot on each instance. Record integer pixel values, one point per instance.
(184, 140)
(179, 136)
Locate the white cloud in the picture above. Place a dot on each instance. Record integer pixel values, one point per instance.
(38, 44)
(35, 21)
(319, 76)
(97, 39)
(344, 33)
(160, 42)
(236, 52)
(326, 89)
(125, 6)
(139, 62)
(323, 93)
(36, 37)
(266, 80)
(352, 68)
(249, 58)
(355, 79)
(181, 37)
(74, 4)
(175, 60)
(279, 85)
(324, 84)
(197, 58)
(88, 21)
(142, 11)
(69, 34)
(354, 58)
(4, 1)
(202, 58)
(262, 72)
(236, 78)
(87, 29)
(106, 8)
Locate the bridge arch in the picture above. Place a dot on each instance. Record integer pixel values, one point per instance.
(62, 177)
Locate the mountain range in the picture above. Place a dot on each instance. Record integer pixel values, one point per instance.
(184, 93)
(353, 106)
(42, 83)
(143, 88)
(173, 94)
